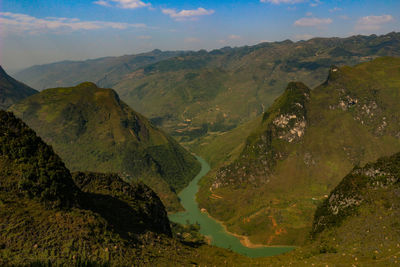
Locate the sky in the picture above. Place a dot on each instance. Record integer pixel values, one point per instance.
(44, 31)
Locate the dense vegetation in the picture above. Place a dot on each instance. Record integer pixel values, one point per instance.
(350, 119)
(270, 177)
(93, 130)
(11, 90)
(99, 221)
(194, 94)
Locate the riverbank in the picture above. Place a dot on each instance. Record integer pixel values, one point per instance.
(214, 230)
(244, 240)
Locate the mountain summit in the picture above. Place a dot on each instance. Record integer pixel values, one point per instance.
(11, 90)
(305, 142)
(93, 130)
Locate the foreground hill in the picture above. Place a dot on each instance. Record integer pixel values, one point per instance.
(198, 92)
(306, 141)
(49, 217)
(93, 130)
(105, 71)
(11, 90)
(358, 224)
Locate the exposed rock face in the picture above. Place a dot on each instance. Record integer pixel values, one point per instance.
(284, 123)
(354, 190)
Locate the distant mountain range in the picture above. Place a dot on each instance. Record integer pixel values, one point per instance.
(105, 71)
(193, 94)
(305, 142)
(11, 90)
(93, 130)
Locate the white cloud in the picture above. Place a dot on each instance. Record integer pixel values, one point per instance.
(125, 4)
(313, 3)
(372, 23)
(277, 2)
(335, 9)
(310, 22)
(316, 3)
(22, 23)
(191, 14)
(309, 14)
(102, 3)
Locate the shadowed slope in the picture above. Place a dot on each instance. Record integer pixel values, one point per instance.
(11, 90)
(93, 130)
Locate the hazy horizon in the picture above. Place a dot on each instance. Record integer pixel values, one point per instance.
(43, 32)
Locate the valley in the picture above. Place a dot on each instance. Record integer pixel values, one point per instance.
(277, 154)
(214, 230)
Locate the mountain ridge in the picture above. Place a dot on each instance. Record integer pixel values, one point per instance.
(11, 90)
(197, 93)
(93, 130)
(351, 119)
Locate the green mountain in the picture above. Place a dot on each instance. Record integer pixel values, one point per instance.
(105, 71)
(11, 90)
(93, 130)
(195, 93)
(203, 92)
(49, 217)
(358, 224)
(305, 142)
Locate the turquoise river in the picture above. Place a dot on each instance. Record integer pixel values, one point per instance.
(210, 227)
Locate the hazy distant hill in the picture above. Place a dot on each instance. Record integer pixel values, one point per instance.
(191, 93)
(105, 72)
(218, 90)
(306, 142)
(93, 130)
(11, 90)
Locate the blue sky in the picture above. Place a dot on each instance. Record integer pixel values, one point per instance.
(43, 31)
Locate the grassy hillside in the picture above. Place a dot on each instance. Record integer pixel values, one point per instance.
(94, 219)
(192, 93)
(11, 90)
(358, 224)
(93, 130)
(301, 149)
(218, 90)
(223, 147)
(49, 217)
(104, 72)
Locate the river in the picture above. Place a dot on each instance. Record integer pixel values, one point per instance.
(210, 227)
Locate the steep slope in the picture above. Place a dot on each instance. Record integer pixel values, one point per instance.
(305, 142)
(204, 91)
(195, 92)
(45, 215)
(358, 224)
(105, 71)
(12, 91)
(93, 130)
(46, 219)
